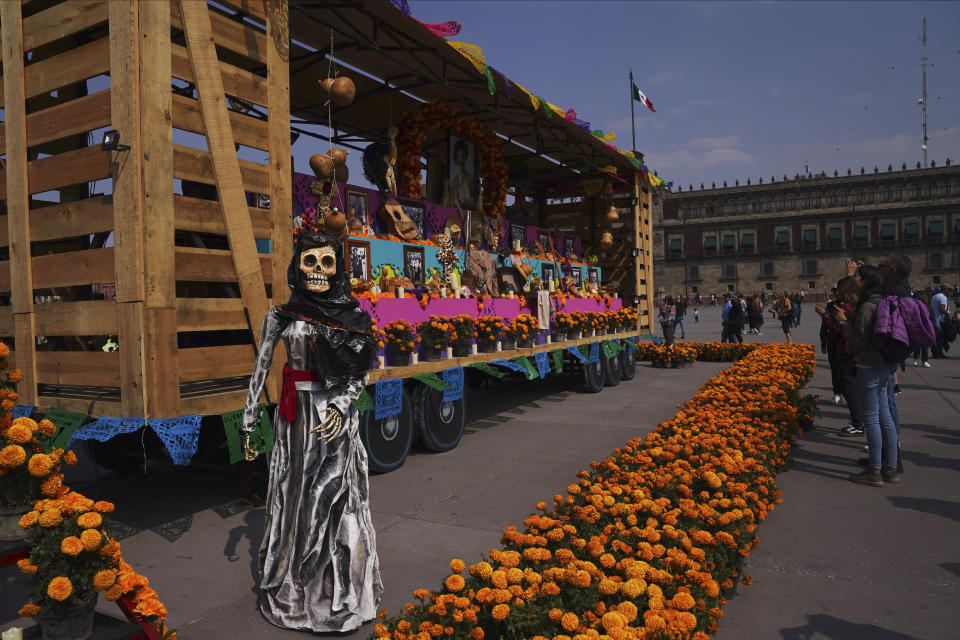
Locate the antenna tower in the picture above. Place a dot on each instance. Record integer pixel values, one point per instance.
(923, 100)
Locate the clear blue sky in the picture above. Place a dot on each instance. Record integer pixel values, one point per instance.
(742, 89)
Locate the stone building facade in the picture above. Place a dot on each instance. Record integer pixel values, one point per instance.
(791, 235)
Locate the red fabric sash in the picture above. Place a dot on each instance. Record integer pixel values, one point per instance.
(288, 394)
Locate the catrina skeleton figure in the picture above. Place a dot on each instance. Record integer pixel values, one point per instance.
(318, 558)
(447, 257)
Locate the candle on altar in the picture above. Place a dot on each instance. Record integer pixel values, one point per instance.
(553, 285)
(400, 292)
(443, 292)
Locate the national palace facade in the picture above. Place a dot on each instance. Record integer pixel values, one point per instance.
(788, 235)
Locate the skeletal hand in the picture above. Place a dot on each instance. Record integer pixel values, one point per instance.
(249, 453)
(330, 425)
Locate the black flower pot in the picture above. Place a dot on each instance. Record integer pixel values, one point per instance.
(461, 350)
(429, 354)
(487, 347)
(397, 358)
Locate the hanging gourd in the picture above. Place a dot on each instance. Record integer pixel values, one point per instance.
(612, 215)
(343, 91)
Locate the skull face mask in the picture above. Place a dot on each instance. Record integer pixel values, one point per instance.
(318, 265)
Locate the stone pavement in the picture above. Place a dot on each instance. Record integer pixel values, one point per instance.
(837, 560)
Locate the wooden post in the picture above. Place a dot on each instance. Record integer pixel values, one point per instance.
(18, 200)
(638, 243)
(281, 171)
(646, 215)
(156, 138)
(127, 210)
(226, 168)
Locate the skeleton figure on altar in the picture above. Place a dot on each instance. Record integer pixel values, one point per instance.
(318, 559)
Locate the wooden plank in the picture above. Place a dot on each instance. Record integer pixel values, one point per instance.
(281, 171)
(160, 345)
(215, 403)
(68, 119)
(6, 321)
(250, 132)
(210, 314)
(207, 363)
(68, 220)
(82, 318)
(71, 167)
(197, 165)
(62, 20)
(130, 335)
(203, 216)
(16, 183)
(254, 8)
(83, 62)
(226, 168)
(93, 368)
(238, 37)
(99, 406)
(638, 242)
(214, 265)
(238, 82)
(66, 269)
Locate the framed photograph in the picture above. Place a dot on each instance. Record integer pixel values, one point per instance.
(547, 272)
(567, 245)
(413, 265)
(544, 239)
(518, 232)
(509, 280)
(462, 171)
(417, 213)
(577, 274)
(357, 200)
(595, 278)
(358, 258)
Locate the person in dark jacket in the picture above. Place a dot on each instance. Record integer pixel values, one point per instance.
(842, 367)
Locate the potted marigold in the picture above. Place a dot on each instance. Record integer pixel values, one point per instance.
(400, 339)
(488, 330)
(584, 322)
(436, 334)
(562, 326)
(522, 329)
(29, 469)
(464, 330)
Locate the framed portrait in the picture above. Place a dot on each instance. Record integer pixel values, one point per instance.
(357, 200)
(567, 245)
(518, 232)
(462, 171)
(577, 274)
(413, 265)
(417, 213)
(547, 272)
(544, 239)
(509, 280)
(358, 258)
(595, 278)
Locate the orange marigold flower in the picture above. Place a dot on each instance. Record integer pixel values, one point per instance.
(628, 610)
(114, 592)
(4, 350)
(555, 614)
(71, 546)
(50, 518)
(40, 465)
(70, 458)
(457, 565)
(682, 601)
(90, 520)
(151, 608)
(25, 567)
(613, 620)
(454, 582)
(26, 421)
(29, 610)
(500, 611)
(28, 519)
(91, 539)
(19, 434)
(476, 633)
(421, 594)
(51, 486)
(15, 376)
(499, 579)
(103, 580)
(102, 506)
(569, 621)
(608, 587)
(12, 455)
(46, 427)
(688, 620)
(60, 588)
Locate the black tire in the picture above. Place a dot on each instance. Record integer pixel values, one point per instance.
(628, 364)
(387, 440)
(440, 424)
(611, 369)
(593, 376)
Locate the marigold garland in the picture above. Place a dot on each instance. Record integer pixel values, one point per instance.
(646, 543)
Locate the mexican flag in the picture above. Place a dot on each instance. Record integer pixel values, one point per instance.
(638, 96)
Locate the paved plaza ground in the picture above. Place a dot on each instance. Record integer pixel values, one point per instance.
(837, 560)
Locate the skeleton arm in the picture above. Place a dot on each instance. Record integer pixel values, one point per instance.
(331, 424)
(269, 334)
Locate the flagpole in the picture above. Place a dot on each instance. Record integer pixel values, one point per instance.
(633, 126)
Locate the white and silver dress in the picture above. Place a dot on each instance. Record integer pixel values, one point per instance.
(320, 570)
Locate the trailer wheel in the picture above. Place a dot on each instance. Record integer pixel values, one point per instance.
(611, 370)
(628, 364)
(593, 376)
(387, 440)
(440, 423)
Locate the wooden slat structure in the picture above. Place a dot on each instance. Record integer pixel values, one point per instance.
(174, 275)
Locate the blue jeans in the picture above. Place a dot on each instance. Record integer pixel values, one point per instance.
(679, 323)
(875, 391)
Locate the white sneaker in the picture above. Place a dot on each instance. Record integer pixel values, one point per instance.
(836, 398)
(926, 364)
(916, 363)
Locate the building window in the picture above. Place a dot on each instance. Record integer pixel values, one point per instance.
(884, 195)
(815, 198)
(729, 288)
(710, 245)
(767, 270)
(719, 208)
(732, 207)
(857, 197)
(842, 198)
(835, 235)
(956, 227)
(746, 241)
(743, 206)
(805, 201)
(911, 230)
(693, 290)
(935, 260)
(768, 286)
(888, 232)
(698, 211)
(676, 247)
(935, 229)
(896, 194)
(810, 238)
(925, 190)
(710, 209)
(658, 268)
(936, 279)
(780, 203)
(766, 204)
(729, 244)
(942, 189)
(657, 237)
(955, 188)
(693, 272)
(831, 199)
(860, 232)
(686, 210)
(783, 239)
(791, 202)
(911, 192)
(812, 284)
(809, 267)
(868, 196)
(730, 271)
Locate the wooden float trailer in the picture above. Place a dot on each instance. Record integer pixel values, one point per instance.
(186, 266)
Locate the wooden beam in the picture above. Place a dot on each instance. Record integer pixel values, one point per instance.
(214, 265)
(78, 64)
(67, 119)
(63, 269)
(203, 216)
(62, 20)
(208, 314)
(71, 167)
(225, 32)
(197, 165)
(67, 220)
(214, 403)
(16, 187)
(281, 170)
(208, 363)
(156, 133)
(238, 82)
(230, 186)
(638, 242)
(88, 368)
(248, 131)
